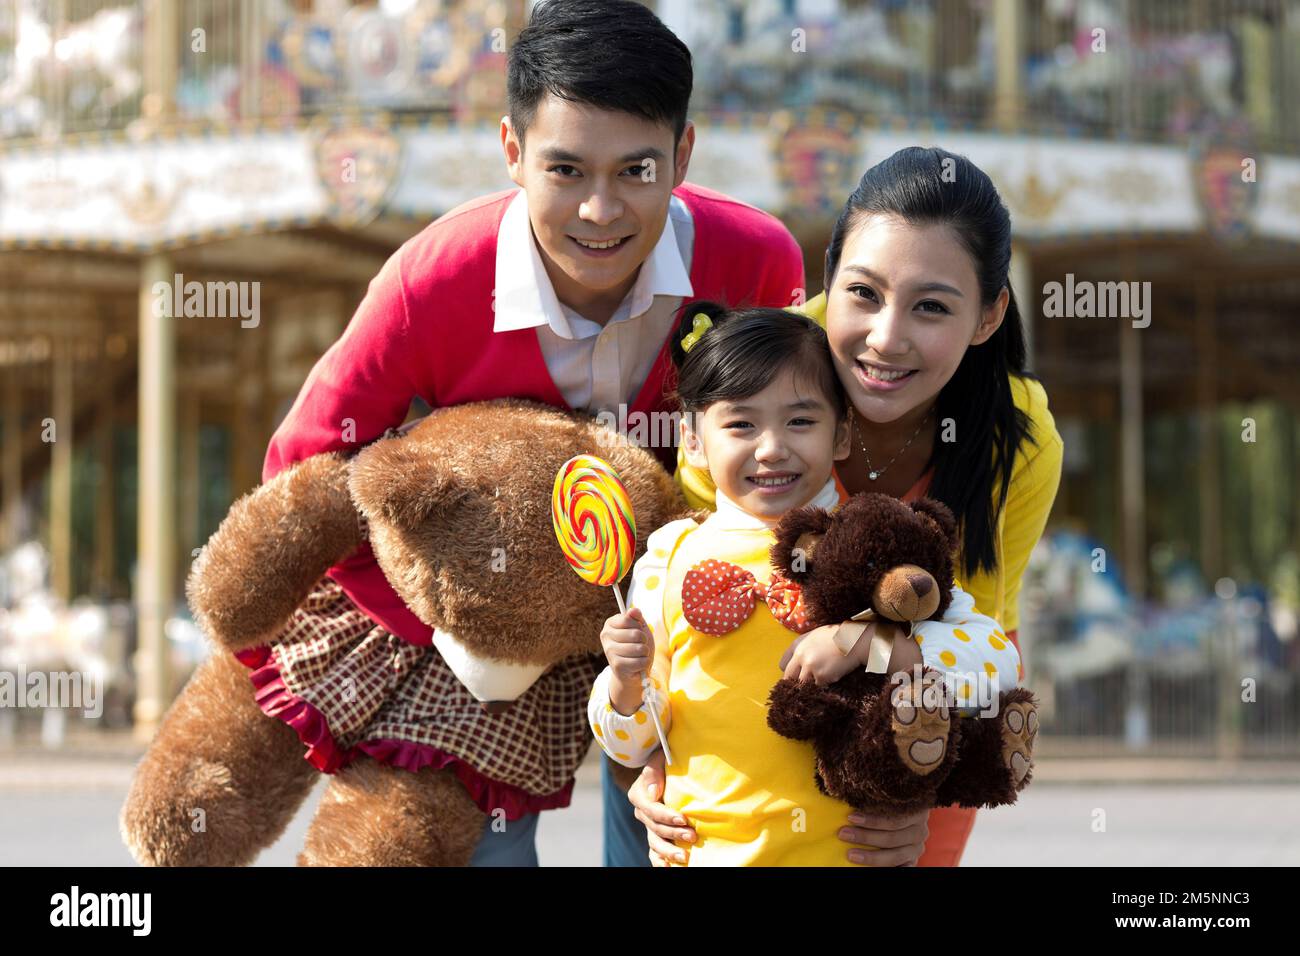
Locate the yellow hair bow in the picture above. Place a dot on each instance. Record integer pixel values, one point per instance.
(699, 325)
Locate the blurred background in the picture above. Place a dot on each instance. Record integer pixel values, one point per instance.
(1153, 142)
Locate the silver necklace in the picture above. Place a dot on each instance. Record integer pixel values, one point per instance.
(874, 473)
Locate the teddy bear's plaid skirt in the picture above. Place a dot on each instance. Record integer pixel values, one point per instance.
(372, 688)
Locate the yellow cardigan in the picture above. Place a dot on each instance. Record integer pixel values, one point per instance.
(1035, 477)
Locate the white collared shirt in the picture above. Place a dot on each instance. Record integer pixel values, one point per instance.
(595, 368)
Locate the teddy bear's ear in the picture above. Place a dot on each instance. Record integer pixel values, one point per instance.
(270, 550)
(797, 536)
(402, 480)
(939, 513)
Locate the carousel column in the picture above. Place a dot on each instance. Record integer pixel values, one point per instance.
(106, 469)
(246, 439)
(250, 58)
(1022, 284)
(1008, 90)
(155, 576)
(189, 435)
(161, 60)
(13, 458)
(1226, 638)
(61, 473)
(155, 529)
(1132, 460)
(266, 391)
(1208, 472)
(1137, 720)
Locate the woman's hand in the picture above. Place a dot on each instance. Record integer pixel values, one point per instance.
(822, 661)
(662, 824)
(894, 841)
(814, 656)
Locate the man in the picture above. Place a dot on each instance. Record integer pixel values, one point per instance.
(565, 290)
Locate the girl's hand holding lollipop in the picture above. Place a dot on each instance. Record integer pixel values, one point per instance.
(592, 516)
(629, 648)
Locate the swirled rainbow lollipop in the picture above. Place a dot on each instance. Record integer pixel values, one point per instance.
(592, 516)
(593, 521)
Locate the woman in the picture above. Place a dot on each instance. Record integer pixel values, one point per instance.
(928, 342)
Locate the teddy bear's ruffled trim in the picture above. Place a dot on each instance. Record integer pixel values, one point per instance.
(325, 754)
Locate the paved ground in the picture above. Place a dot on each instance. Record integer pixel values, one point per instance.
(57, 809)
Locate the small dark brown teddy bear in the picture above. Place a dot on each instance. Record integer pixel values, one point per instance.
(892, 744)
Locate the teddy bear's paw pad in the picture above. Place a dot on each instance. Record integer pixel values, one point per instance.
(1019, 728)
(920, 723)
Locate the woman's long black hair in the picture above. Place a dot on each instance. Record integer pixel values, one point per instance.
(928, 187)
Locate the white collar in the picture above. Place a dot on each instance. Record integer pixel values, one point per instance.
(526, 299)
(731, 515)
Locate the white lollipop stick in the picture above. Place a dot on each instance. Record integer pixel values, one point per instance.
(648, 692)
(652, 699)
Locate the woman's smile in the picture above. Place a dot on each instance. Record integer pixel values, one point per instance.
(882, 378)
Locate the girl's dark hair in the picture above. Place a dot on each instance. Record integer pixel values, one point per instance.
(743, 351)
(613, 54)
(933, 186)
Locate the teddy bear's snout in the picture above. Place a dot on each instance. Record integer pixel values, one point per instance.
(907, 593)
(921, 584)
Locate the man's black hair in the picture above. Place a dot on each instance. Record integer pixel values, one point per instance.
(611, 54)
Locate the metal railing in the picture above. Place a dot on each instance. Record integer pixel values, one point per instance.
(1155, 70)
(1194, 675)
(68, 65)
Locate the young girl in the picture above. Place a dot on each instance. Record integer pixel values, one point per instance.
(764, 412)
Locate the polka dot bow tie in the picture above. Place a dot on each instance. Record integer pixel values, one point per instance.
(718, 597)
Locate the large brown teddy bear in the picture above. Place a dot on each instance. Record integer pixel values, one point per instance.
(883, 744)
(457, 511)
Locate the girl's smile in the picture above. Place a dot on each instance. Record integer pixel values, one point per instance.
(774, 483)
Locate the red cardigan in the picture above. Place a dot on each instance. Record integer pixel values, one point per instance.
(425, 328)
